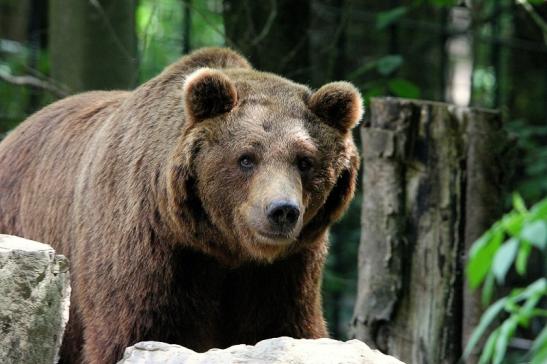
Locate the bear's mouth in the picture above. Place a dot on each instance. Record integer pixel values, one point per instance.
(273, 238)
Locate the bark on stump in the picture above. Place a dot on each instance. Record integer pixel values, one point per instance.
(432, 185)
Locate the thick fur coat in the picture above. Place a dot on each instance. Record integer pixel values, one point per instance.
(161, 198)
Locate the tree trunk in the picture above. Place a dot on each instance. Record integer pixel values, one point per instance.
(14, 20)
(272, 34)
(37, 31)
(93, 44)
(431, 184)
(186, 26)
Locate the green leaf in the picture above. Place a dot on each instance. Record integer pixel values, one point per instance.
(522, 258)
(539, 211)
(489, 347)
(487, 289)
(507, 330)
(362, 69)
(526, 312)
(537, 287)
(540, 343)
(540, 357)
(389, 17)
(512, 223)
(482, 242)
(518, 203)
(481, 256)
(444, 2)
(388, 64)
(486, 319)
(536, 233)
(504, 258)
(404, 88)
(374, 91)
(540, 340)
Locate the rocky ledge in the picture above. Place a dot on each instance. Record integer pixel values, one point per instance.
(34, 300)
(282, 350)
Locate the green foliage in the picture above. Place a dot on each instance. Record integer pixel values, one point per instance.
(444, 2)
(386, 18)
(531, 142)
(15, 100)
(392, 63)
(403, 88)
(385, 66)
(207, 24)
(388, 64)
(159, 31)
(508, 243)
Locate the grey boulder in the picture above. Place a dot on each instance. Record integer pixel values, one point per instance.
(282, 350)
(34, 300)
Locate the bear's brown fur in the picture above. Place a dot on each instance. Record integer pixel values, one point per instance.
(166, 200)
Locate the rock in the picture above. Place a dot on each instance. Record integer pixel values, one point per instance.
(34, 300)
(281, 350)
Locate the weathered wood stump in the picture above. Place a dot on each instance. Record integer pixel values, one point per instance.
(432, 184)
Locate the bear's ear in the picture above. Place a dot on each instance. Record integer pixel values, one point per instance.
(339, 104)
(208, 93)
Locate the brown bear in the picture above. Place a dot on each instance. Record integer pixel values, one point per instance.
(194, 210)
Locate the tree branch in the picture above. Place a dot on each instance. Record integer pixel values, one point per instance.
(540, 22)
(34, 82)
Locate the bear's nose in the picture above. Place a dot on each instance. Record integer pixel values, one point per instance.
(283, 215)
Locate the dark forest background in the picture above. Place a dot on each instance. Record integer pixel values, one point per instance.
(489, 53)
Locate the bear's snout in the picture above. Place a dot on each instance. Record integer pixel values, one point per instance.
(282, 216)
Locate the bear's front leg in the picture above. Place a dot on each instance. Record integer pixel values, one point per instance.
(263, 301)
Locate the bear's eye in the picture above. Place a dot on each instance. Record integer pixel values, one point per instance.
(304, 164)
(246, 162)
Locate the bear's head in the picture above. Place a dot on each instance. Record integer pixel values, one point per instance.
(264, 165)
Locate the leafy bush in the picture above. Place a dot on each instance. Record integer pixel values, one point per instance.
(509, 243)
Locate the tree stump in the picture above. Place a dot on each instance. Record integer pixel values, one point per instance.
(432, 185)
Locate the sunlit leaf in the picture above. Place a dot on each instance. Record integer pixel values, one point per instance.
(489, 347)
(482, 242)
(481, 256)
(535, 233)
(540, 357)
(537, 287)
(540, 341)
(539, 211)
(512, 223)
(507, 330)
(527, 310)
(518, 203)
(504, 258)
(486, 319)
